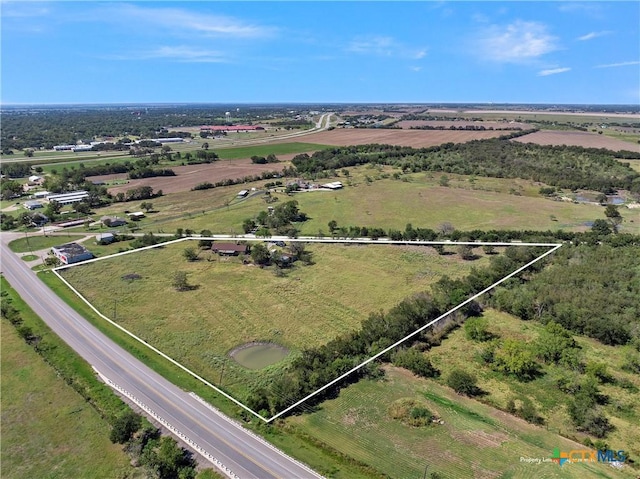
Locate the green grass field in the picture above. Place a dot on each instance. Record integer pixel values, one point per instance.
(467, 203)
(226, 152)
(235, 304)
(474, 441)
(35, 242)
(48, 430)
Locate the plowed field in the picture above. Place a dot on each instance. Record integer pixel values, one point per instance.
(189, 176)
(413, 138)
(577, 138)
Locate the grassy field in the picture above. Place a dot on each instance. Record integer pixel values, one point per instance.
(474, 441)
(48, 430)
(236, 304)
(312, 452)
(226, 152)
(467, 203)
(35, 242)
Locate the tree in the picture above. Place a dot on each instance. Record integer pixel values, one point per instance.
(146, 205)
(601, 227)
(179, 281)
(28, 153)
(614, 216)
(125, 427)
(248, 225)
(260, 254)
(466, 252)
(205, 145)
(190, 254)
(554, 342)
(462, 382)
(10, 189)
(476, 329)
(52, 210)
(444, 180)
(333, 225)
(82, 207)
(514, 357)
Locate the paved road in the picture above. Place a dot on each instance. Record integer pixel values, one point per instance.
(234, 447)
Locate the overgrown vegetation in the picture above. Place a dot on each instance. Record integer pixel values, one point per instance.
(562, 166)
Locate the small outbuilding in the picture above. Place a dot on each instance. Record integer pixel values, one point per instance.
(33, 205)
(105, 238)
(243, 193)
(229, 249)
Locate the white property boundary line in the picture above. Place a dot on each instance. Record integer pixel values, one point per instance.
(553, 246)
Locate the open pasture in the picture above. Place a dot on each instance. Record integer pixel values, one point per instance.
(577, 138)
(467, 203)
(233, 304)
(475, 440)
(48, 430)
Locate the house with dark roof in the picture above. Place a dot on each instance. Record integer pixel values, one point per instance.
(229, 249)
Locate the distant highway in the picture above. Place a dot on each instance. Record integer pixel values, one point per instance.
(241, 452)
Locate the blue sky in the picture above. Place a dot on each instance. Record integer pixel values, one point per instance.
(129, 52)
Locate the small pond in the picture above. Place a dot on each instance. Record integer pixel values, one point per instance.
(258, 355)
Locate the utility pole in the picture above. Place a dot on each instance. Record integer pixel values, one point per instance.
(426, 468)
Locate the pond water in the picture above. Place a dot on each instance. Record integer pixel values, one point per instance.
(259, 355)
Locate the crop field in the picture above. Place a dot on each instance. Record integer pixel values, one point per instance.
(474, 440)
(413, 138)
(233, 304)
(189, 176)
(48, 430)
(577, 138)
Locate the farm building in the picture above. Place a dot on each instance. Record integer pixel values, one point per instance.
(69, 198)
(39, 220)
(35, 179)
(71, 253)
(229, 249)
(136, 216)
(105, 238)
(335, 185)
(243, 193)
(112, 221)
(169, 140)
(232, 128)
(41, 194)
(33, 205)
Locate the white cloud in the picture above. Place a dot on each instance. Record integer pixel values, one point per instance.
(553, 71)
(415, 69)
(13, 9)
(384, 46)
(182, 53)
(176, 19)
(620, 64)
(592, 35)
(517, 42)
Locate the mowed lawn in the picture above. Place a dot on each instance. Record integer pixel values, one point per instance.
(475, 440)
(48, 430)
(234, 303)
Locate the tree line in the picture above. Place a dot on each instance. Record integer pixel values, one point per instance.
(570, 167)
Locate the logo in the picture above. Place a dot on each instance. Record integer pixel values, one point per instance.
(587, 455)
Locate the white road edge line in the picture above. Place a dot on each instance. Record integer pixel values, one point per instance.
(224, 469)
